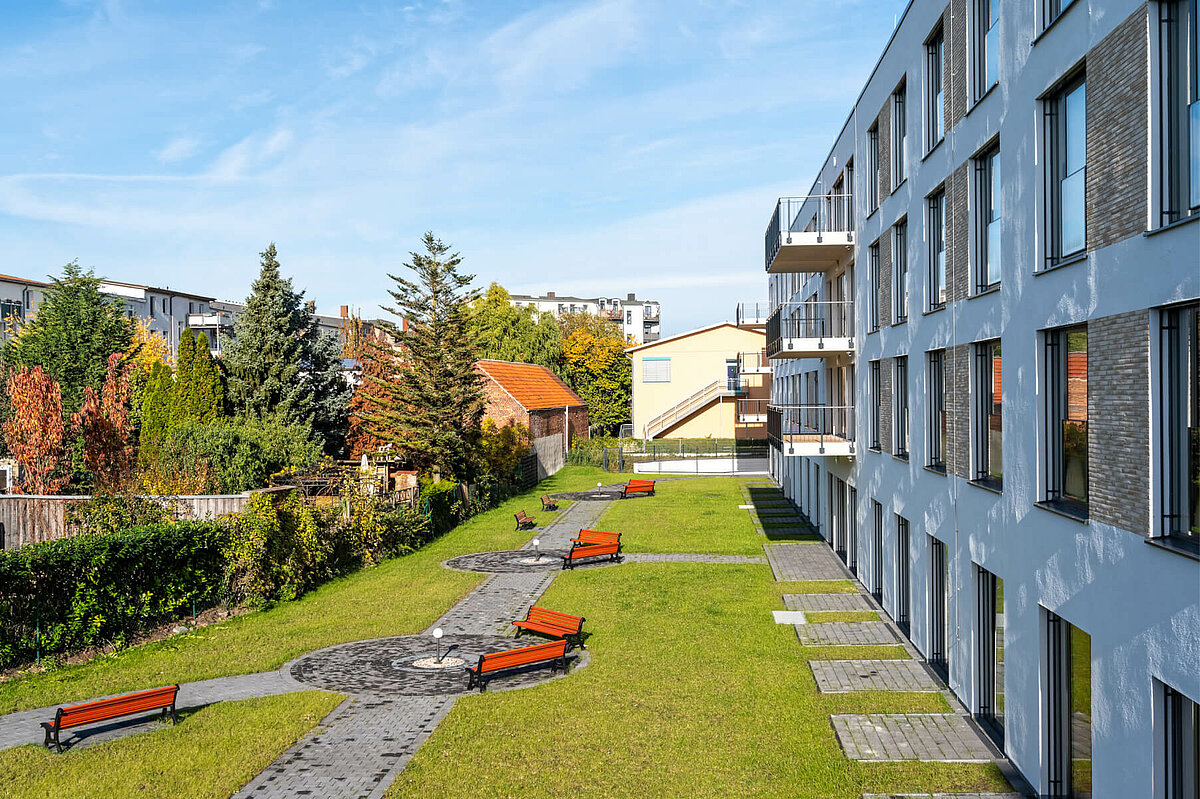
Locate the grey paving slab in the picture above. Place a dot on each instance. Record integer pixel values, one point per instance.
(880, 737)
(843, 676)
(827, 603)
(813, 561)
(492, 606)
(846, 633)
(357, 750)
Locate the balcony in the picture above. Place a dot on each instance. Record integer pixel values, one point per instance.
(752, 314)
(810, 234)
(811, 330)
(752, 411)
(812, 430)
(754, 363)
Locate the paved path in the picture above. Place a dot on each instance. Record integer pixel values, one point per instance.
(843, 676)
(847, 633)
(808, 561)
(877, 737)
(827, 603)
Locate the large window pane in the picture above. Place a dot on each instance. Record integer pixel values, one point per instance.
(1180, 371)
(1080, 646)
(1194, 154)
(937, 250)
(1073, 212)
(993, 224)
(1074, 424)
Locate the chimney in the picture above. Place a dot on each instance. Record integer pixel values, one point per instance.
(549, 293)
(629, 298)
(345, 311)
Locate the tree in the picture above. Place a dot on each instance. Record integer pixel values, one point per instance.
(433, 408)
(590, 323)
(207, 401)
(367, 396)
(103, 422)
(506, 333)
(157, 403)
(329, 391)
(34, 431)
(185, 361)
(146, 347)
(74, 332)
(264, 358)
(596, 367)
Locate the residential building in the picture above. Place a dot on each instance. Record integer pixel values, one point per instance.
(708, 383)
(638, 319)
(532, 395)
(984, 346)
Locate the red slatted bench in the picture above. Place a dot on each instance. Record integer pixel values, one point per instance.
(548, 503)
(597, 537)
(554, 652)
(637, 487)
(106, 709)
(524, 522)
(579, 551)
(551, 622)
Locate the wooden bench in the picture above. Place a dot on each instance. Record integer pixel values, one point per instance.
(105, 709)
(524, 522)
(637, 487)
(548, 503)
(597, 537)
(554, 652)
(580, 550)
(551, 622)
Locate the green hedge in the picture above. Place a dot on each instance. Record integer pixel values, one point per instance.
(92, 590)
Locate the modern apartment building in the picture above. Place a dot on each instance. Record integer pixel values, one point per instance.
(984, 339)
(639, 319)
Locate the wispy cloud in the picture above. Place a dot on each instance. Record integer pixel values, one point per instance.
(178, 149)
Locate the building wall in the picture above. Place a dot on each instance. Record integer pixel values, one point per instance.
(696, 361)
(551, 421)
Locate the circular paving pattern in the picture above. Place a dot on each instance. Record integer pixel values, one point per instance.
(508, 561)
(389, 666)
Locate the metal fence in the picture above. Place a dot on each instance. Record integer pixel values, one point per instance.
(684, 457)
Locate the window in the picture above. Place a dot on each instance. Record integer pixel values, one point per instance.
(899, 135)
(937, 250)
(1180, 413)
(852, 531)
(1179, 93)
(1066, 171)
(850, 192)
(1182, 749)
(935, 99)
(1051, 9)
(937, 410)
(900, 255)
(877, 547)
(987, 219)
(1066, 441)
(629, 317)
(901, 403)
(902, 574)
(873, 293)
(1068, 709)
(986, 63)
(991, 655)
(988, 465)
(939, 603)
(876, 402)
(656, 370)
(872, 168)
(11, 309)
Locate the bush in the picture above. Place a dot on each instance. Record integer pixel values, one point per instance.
(94, 590)
(233, 455)
(111, 513)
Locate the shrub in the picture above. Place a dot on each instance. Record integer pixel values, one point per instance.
(238, 454)
(275, 551)
(94, 590)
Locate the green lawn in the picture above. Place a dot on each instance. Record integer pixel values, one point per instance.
(692, 690)
(211, 753)
(695, 515)
(399, 597)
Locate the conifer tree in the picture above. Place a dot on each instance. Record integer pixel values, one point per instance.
(208, 392)
(157, 408)
(181, 407)
(329, 391)
(433, 408)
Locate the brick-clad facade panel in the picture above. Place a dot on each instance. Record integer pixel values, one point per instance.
(886, 367)
(954, 56)
(1117, 125)
(958, 410)
(958, 236)
(884, 123)
(1118, 374)
(885, 280)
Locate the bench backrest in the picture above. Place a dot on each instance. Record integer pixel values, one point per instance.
(636, 484)
(522, 656)
(553, 617)
(587, 550)
(598, 536)
(103, 709)
(521, 516)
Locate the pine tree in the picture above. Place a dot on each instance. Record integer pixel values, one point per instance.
(265, 356)
(185, 361)
(433, 408)
(156, 414)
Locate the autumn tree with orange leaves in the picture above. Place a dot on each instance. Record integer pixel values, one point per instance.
(103, 423)
(34, 431)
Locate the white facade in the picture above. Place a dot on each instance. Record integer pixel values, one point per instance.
(1107, 568)
(639, 319)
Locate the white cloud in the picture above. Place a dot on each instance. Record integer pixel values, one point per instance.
(248, 155)
(178, 149)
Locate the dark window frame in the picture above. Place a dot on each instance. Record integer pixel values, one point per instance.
(989, 603)
(1056, 377)
(935, 86)
(873, 293)
(1179, 432)
(900, 405)
(872, 169)
(1056, 148)
(935, 220)
(938, 657)
(1180, 780)
(877, 546)
(987, 191)
(899, 121)
(984, 407)
(903, 575)
(900, 271)
(935, 365)
(1179, 102)
(985, 44)
(876, 405)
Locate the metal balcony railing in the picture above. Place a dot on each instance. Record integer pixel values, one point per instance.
(823, 423)
(752, 410)
(813, 213)
(753, 362)
(752, 312)
(823, 319)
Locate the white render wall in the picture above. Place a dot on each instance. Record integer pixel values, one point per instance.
(1140, 604)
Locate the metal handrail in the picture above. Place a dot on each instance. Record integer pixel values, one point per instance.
(752, 407)
(752, 310)
(833, 421)
(752, 360)
(814, 213)
(813, 319)
(684, 408)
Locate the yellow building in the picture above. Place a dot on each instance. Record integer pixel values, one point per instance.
(712, 382)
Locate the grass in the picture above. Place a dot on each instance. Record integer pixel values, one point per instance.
(694, 516)
(816, 587)
(692, 690)
(211, 753)
(820, 616)
(399, 597)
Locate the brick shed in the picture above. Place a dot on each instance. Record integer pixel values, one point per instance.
(524, 393)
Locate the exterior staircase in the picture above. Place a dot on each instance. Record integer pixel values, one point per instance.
(714, 391)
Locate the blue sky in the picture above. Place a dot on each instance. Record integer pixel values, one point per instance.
(592, 148)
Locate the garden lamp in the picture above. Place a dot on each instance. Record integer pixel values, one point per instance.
(437, 636)
(537, 542)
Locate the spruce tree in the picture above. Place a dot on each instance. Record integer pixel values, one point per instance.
(264, 358)
(433, 408)
(329, 391)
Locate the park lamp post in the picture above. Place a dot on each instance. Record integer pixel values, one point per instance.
(537, 542)
(437, 636)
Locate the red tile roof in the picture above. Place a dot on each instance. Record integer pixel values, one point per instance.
(535, 387)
